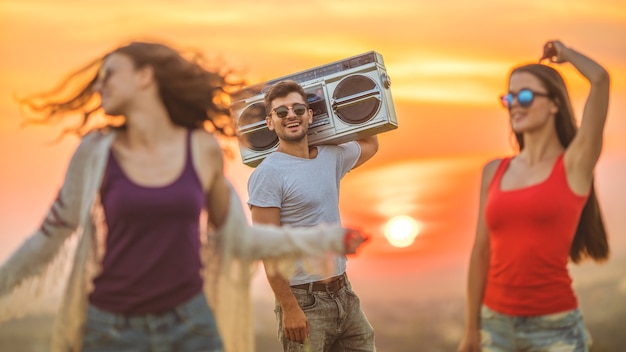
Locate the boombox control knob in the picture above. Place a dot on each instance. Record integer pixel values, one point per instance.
(385, 80)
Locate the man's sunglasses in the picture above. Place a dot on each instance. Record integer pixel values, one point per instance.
(525, 98)
(283, 111)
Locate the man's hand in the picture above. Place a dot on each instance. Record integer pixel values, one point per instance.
(295, 325)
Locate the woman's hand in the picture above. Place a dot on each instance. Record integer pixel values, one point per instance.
(353, 239)
(554, 51)
(470, 342)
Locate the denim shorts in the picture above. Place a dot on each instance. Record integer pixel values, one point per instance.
(189, 327)
(558, 332)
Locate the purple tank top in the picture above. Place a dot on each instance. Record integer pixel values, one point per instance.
(152, 261)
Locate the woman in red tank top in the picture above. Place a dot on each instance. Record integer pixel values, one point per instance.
(537, 211)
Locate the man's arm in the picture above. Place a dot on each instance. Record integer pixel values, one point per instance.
(295, 324)
(369, 147)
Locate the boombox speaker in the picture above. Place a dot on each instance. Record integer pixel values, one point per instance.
(350, 100)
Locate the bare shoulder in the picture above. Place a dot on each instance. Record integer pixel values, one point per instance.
(207, 148)
(491, 166)
(207, 157)
(489, 169)
(205, 141)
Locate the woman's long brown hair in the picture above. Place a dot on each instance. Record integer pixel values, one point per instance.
(194, 95)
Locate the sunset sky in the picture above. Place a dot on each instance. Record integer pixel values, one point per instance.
(448, 61)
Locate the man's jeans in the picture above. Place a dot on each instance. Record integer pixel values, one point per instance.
(558, 332)
(189, 327)
(336, 322)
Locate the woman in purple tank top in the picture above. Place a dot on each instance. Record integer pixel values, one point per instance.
(538, 211)
(136, 193)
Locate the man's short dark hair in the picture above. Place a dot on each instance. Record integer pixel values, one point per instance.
(282, 89)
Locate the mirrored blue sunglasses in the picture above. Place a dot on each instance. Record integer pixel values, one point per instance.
(525, 98)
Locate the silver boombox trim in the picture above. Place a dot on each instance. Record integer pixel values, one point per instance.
(350, 100)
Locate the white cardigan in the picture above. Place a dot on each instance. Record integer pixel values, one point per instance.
(73, 230)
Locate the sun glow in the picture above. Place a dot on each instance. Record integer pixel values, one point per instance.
(401, 231)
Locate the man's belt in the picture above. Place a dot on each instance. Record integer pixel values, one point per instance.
(332, 286)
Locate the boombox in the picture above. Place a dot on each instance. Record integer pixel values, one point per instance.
(350, 100)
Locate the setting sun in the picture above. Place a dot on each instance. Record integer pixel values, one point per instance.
(401, 231)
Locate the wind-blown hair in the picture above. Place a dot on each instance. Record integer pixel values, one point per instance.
(590, 240)
(194, 95)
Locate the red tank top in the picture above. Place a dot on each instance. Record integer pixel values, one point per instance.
(531, 230)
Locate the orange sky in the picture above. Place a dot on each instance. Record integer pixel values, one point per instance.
(448, 62)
